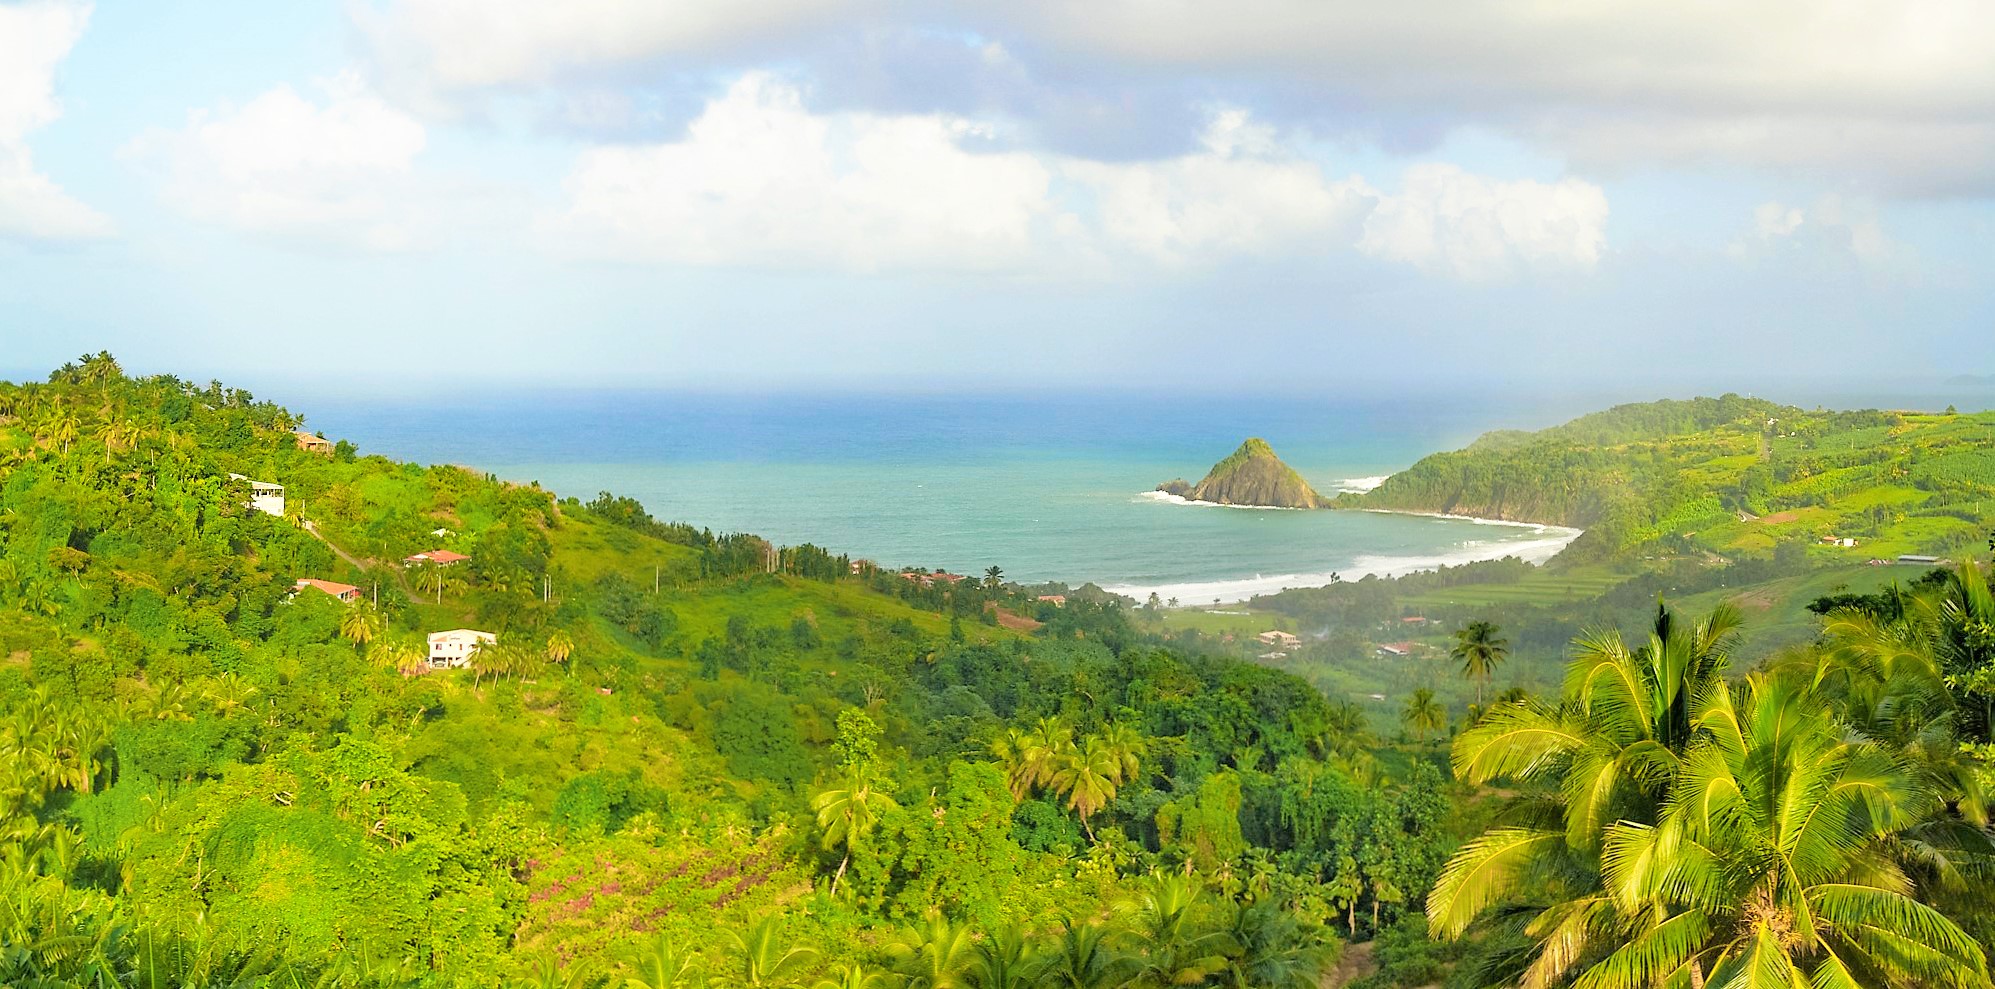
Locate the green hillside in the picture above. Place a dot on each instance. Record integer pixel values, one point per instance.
(1728, 476)
(667, 757)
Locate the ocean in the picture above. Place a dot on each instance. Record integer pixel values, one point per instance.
(1046, 488)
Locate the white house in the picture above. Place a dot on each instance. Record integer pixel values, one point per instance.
(1279, 639)
(453, 649)
(264, 496)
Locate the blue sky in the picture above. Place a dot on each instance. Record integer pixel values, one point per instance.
(1124, 194)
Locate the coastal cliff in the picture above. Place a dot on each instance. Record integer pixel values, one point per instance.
(1251, 476)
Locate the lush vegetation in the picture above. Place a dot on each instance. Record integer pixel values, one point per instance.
(1728, 476)
(690, 758)
(685, 754)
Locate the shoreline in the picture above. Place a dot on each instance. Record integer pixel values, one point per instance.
(1552, 539)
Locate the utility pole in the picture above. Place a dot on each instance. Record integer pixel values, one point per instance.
(654, 578)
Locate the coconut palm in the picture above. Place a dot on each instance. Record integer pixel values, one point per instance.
(993, 579)
(1006, 959)
(559, 648)
(1046, 747)
(856, 976)
(1011, 749)
(1176, 951)
(1083, 958)
(1480, 647)
(360, 625)
(762, 959)
(665, 965)
(849, 813)
(936, 955)
(1086, 777)
(1272, 948)
(1125, 747)
(1769, 865)
(1424, 714)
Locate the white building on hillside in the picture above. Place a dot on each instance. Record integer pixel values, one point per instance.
(453, 649)
(264, 496)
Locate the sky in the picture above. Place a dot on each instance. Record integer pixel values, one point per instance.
(1300, 195)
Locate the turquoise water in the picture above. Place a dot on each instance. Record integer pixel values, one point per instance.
(1054, 489)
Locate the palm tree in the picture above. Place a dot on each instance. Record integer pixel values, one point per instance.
(1272, 948)
(856, 976)
(430, 579)
(1086, 777)
(993, 579)
(1083, 958)
(559, 648)
(1481, 648)
(937, 955)
(1125, 747)
(1175, 951)
(1011, 749)
(1047, 746)
(360, 625)
(848, 814)
(1771, 863)
(666, 965)
(763, 960)
(1424, 714)
(1006, 959)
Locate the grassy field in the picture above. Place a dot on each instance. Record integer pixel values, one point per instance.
(1542, 587)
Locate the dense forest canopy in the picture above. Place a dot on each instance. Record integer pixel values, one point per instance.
(677, 757)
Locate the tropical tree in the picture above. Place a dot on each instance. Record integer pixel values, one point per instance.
(1480, 647)
(936, 955)
(993, 579)
(1087, 776)
(762, 959)
(665, 965)
(1772, 864)
(1083, 958)
(1006, 959)
(360, 625)
(1272, 948)
(847, 814)
(1176, 951)
(559, 648)
(1125, 747)
(1424, 714)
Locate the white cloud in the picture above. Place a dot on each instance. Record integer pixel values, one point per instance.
(1474, 227)
(759, 179)
(1242, 193)
(1833, 227)
(34, 38)
(1897, 95)
(430, 48)
(339, 167)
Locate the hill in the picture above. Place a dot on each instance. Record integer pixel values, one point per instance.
(216, 775)
(1728, 476)
(1250, 476)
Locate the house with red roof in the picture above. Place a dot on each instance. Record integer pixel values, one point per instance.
(344, 592)
(438, 557)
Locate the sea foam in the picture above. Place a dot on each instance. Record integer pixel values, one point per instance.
(1545, 542)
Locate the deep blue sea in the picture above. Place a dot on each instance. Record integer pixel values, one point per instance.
(1048, 488)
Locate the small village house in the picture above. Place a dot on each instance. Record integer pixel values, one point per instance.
(1056, 600)
(1843, 541)
(313, 444)
(1279, 639)
(344, 592)
(1401, 649)
(453, 649)
(436, 557)
(264, 496)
